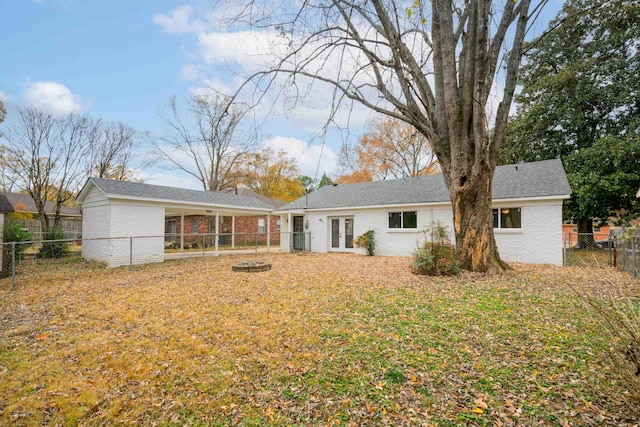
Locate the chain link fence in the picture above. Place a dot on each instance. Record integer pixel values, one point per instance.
(620, 249)
(628, 252)
(133, 250)
(589, 249)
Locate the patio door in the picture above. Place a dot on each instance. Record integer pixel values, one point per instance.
(298, 233)
(341, 233)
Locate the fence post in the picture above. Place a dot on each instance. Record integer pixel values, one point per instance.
(130, 252)
(13, 265)
(203, 243)
(256, 243)
(633, 251)
(564, 249)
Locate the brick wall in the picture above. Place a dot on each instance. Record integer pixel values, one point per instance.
(108, 229)
(539, 241)
(243, 225)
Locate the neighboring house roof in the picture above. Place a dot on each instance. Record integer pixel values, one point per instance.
(136, 190)
(243, 191)
(24, 203)
(537, 179)
(5, 205)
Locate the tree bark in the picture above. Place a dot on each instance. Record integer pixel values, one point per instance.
(585, 233)
(470, 198)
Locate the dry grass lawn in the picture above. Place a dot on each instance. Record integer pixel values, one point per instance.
(321, 339)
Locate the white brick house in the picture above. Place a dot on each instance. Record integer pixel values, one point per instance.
(124, 222)
(527, 201)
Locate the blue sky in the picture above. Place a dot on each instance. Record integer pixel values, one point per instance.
(122, 61)
(116, 65)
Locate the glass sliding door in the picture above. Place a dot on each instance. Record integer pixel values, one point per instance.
(341, 233)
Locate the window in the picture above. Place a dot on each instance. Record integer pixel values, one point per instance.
(260, 225)
(278, 224)
(403, 219)
(507, 218)
(194, 225)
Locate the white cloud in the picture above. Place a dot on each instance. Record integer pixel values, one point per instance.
(307, 156)
(191, 73)
(3, 96)
(179, 21)
(53, 97)
(223, 57)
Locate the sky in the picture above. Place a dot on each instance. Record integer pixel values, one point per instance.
(123, 60)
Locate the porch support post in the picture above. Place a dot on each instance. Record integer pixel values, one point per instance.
(217, 230)
(181, 232)
(268, 231)
(289, 230)
(233, 231)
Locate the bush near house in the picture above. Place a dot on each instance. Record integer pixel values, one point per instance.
(15, 232)
(54, 245)
(435, 256)
(367, 241)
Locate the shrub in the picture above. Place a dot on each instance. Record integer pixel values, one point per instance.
(367, 240)
(435, 256)
(15, 232)
(620, 323)
(53, 245)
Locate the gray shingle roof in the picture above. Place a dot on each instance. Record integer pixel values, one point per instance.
(537, 179)
(25, 203)
(114, 188)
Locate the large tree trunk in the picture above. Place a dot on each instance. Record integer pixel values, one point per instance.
(470, 197)
(585, 233)
(42, 214)
(473, 224)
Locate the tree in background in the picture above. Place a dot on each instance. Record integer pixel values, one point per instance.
(3, 114)
(605, 179)
(112, 157)
(8, 179)
(354, 177)
(391, 149)
(50, 156)
(271, 174)
(309, 184)
(432, 65)
(580, 101)
(206, 140)
(47, 151)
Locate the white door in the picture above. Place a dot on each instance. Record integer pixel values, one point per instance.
(341, 233)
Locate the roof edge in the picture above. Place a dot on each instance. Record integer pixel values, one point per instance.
(86, 188)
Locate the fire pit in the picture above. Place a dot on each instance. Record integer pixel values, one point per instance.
(251, 266)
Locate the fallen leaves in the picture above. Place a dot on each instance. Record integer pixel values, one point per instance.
(320, 339)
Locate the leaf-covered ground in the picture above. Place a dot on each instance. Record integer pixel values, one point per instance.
(321, 339)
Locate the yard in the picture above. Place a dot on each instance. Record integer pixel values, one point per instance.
(321, 339)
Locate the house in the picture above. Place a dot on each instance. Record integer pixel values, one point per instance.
(527, 207)
(71, 218)
(252, 228)
(125, 222)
